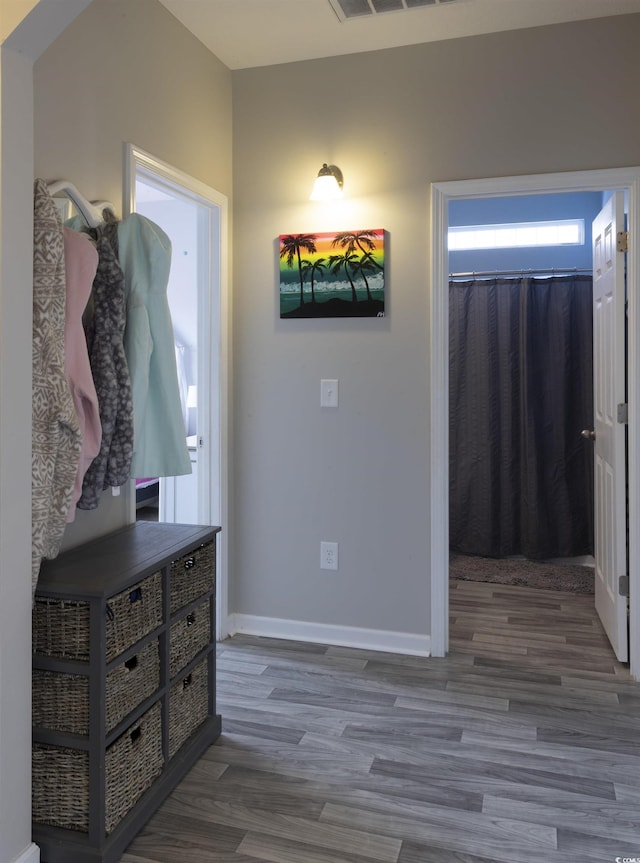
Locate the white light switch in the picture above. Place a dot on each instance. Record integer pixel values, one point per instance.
(328, 393)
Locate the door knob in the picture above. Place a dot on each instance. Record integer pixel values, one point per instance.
(589, 434)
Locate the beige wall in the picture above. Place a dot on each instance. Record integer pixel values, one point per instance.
(128, 72)
(165, 93)
(514, 103)
(12, 12)
(526, 102)
(15, 451)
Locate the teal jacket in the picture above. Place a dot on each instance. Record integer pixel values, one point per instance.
(159, 441)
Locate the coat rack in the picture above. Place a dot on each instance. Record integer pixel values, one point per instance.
(91, 211)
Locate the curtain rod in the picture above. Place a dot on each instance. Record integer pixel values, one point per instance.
(555, 271)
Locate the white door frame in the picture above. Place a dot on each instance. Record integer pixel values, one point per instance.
(609, 444)
(625, 179)
(213, 331)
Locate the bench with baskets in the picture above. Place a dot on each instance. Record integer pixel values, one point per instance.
(123, 684)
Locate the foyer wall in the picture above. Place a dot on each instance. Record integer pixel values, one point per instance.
(127, 72)
(394, 121)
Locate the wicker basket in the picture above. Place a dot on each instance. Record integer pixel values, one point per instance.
(60, 787)
(61, 776)
(192, 575)
(188, 705)
(133, 613)
(132, 764)
(189, 636)
(61, 628)
(61, 701)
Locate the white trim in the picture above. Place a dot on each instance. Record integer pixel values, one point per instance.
(410, 644)
(29, 855)
(439, 428)
(633, 397)
(627, 179)
(219, 361)
(135, 157)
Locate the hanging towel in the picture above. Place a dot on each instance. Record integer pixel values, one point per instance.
(160, 447)
(112, 465)
(81, 263)
(57, 440)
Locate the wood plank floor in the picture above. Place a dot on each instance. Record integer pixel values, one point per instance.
(522, 746)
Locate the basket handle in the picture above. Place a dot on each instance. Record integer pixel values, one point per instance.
(189, 563)
(186, 683)
(132, 663)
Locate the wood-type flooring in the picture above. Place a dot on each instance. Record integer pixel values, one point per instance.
(522, 746)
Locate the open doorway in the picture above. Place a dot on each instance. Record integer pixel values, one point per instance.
(194, 217)
(521, 388)
(521, 395)
(627, 180)
(183, 499)
(191, 223)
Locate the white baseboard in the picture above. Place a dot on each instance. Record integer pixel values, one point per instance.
(29, 855)
(323, 633)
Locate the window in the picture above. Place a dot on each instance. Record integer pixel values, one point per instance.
(565, 232)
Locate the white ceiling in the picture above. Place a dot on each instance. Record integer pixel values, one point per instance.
(249, 33)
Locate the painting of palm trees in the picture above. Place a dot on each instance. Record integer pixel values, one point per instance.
(332, 275)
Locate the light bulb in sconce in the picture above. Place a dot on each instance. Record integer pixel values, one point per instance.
(192, 396)
(328, 184)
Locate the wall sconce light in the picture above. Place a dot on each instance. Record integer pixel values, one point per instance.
(328, 184)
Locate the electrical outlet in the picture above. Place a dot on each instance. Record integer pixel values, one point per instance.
(328, 555)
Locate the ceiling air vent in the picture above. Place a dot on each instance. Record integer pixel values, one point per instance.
(346, 9)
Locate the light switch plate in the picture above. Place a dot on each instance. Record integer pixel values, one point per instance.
(328, 393)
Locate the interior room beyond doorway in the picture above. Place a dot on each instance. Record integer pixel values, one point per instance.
(443, 194)
(520, 378)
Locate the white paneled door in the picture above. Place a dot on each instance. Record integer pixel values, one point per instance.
(609, 358)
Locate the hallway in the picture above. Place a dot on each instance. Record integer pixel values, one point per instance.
(520, 747)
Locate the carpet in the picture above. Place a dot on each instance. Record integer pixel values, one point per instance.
(526, 573)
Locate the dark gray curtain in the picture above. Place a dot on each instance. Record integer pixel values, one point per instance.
(521, 391)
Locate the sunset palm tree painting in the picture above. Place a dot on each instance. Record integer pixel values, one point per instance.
(333, 274)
